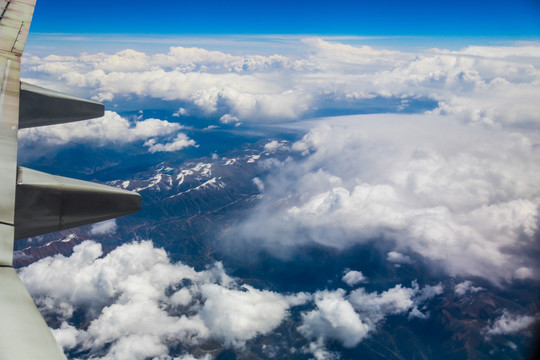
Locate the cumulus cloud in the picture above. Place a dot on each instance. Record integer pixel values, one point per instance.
(393, 301)
(190, 357)
(353, 277)
(275, 146)
(508, 324)
(490, 85)
(466, 287)
(350, 318)
(318, 350)
(236, 316)
(111, 128)
(210, 81)
(456, 194)
(135, 284)
(228, 119)
(104, 227)
(334, 318)
(180, 112)
(66, 336)
(182, 308)
(180, 142)
(399, 258)
(523, 273)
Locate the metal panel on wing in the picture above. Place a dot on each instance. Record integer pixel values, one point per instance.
(47, 203)
(39, 107)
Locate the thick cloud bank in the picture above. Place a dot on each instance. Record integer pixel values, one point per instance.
(492, 85)
(138, 305)
(460, 195)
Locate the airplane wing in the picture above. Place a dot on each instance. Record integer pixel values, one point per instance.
(32, 202)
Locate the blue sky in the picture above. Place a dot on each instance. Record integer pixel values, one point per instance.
(520, 18)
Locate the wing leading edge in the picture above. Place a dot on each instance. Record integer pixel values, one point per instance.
(32, 202)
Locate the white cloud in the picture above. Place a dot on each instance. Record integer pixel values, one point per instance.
(104, 227)
(456, 194)
(508, 324)
(181, 111)
(190, 357)
(182, 308)
(350, 318)
(334, 318)
(399, 258)
(523, 273)
(132, 285)
(228, 119)
(353, 277)
(491, 85)
(180, 142)
(375, 306)
(275, 146)
(415, 313)
(272, 146)
(466, 287)
(239, 315)
(258, 182)
(109, 128)
(319, 351)
(337, 58)
(66, 336)
(182, 297)
(427, 292)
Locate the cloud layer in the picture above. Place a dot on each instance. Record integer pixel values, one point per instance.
(492, 85)
(349, 318)
(111, 128)
(459, 195)
(136, 284)
(182, 308)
